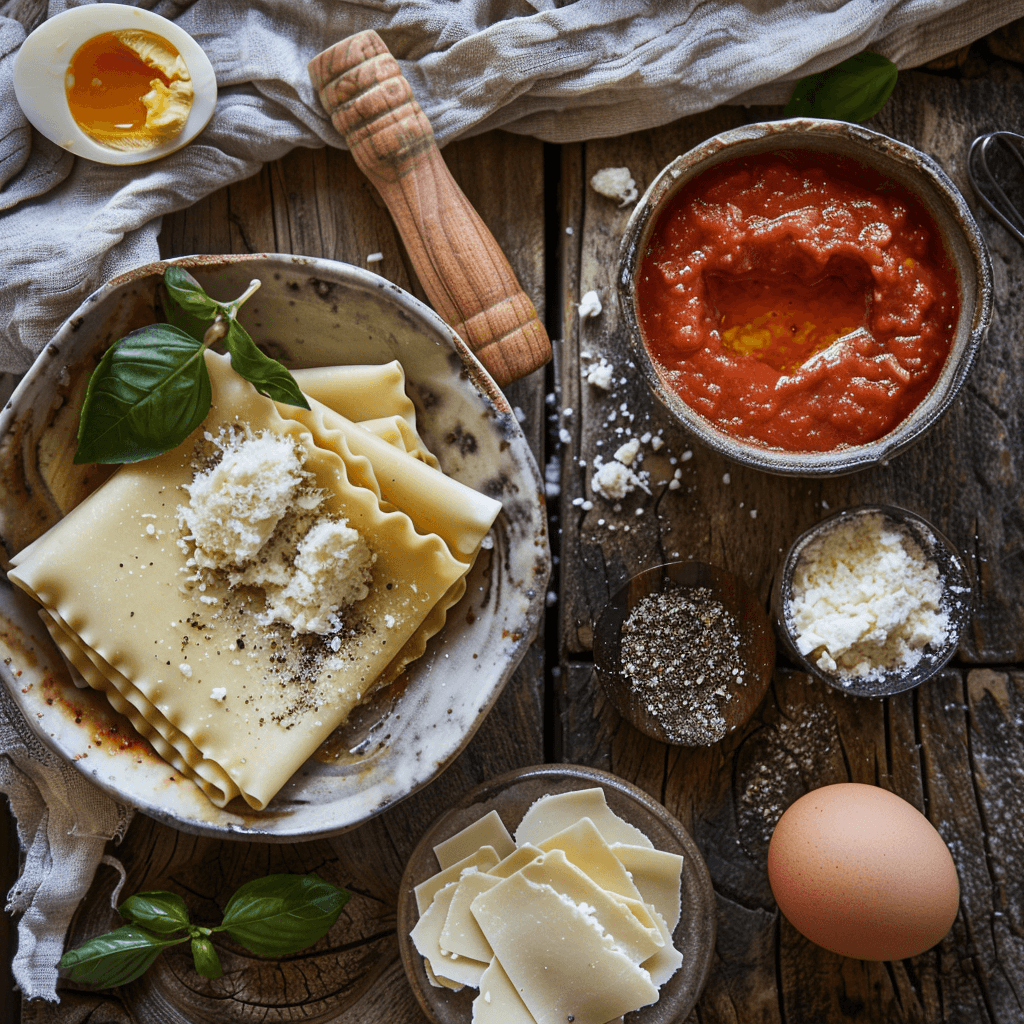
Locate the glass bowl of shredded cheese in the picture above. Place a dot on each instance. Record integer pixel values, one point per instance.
(872, 600)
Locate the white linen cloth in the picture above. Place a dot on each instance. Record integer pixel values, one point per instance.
(560, 70)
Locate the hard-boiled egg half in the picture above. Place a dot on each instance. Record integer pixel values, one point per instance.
(115, 84)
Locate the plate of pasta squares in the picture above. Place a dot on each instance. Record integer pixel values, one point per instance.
(295, 616)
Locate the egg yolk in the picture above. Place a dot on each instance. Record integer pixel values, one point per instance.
(106, 85)
(783, 321)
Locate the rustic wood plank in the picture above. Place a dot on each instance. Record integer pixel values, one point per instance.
(951, 748)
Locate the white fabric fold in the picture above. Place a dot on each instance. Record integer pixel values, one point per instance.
(560, 70)
(64, 824)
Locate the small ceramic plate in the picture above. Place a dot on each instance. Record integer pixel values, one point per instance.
(308, 312)
(511, 796)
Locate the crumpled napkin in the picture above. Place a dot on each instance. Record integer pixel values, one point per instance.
(560, 70)
(64, 823)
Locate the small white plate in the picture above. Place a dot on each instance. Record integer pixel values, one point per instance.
(308, 312)
(43, 59)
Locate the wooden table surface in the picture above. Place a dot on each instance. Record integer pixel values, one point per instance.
(953, 748)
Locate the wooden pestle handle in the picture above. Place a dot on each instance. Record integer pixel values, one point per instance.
(461, 267)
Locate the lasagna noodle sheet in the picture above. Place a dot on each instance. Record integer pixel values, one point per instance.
(241, 706)
(372, 396)
(435, 503)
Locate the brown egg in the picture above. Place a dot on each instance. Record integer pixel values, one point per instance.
(863, 873)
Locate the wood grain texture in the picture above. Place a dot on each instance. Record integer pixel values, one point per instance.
(461, 267)
(952, 748)
(318, 203)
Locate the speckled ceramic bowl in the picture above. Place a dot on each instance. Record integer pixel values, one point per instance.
(308, 312)
(956, 602)
(916, 172)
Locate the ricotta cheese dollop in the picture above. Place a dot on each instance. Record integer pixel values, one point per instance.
(253, 518)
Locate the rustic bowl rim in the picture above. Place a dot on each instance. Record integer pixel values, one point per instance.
(913, 169)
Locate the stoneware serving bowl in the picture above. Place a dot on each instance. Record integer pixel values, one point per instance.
(308, 312)
(956, 602)
(511, 795)
(908, 167)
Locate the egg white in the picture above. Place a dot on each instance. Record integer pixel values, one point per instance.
(43, 60)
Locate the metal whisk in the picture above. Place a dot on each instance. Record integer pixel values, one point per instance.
(995, 163)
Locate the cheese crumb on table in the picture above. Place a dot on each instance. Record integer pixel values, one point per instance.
(615, 183)
(590, 305)
(600, 374)
(866, 600)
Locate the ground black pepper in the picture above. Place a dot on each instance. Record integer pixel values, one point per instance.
(682, 651)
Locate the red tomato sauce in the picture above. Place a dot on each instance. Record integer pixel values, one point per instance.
(799, 300)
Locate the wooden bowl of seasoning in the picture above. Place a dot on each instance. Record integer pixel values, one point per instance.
(871, 600)
(806, 297)
(685, 652)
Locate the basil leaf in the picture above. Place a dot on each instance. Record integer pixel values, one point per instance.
(187, 294)
(266, 375)
(161, 912)
(116, 958)
(150, 390)
(205, 958)
(851, 91)
(281, 914)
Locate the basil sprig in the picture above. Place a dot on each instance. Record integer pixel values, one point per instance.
(271, 916)
(151, 389)
(851, 91)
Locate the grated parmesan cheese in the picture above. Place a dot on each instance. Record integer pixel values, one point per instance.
(253, 520)
(866, 600)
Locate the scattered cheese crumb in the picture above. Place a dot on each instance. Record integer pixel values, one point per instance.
(185, 669)
(600, 374)
(628, 452)
(375, 257)
(219, 693)
(590, 305)
(615, 183)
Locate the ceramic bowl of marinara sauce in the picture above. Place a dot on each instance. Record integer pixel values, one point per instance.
(805, 296)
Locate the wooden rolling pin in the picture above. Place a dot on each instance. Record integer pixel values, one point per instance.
(461, 267)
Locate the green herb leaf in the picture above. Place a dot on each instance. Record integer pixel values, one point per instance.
(162, 912)
(266, 375)
(187, 294)
(194, 311)
(852, 91)
(150, 390)
(205, 957)
(281, 914)
(116, 958)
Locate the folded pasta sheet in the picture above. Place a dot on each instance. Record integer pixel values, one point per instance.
(238, 596)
